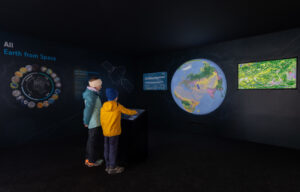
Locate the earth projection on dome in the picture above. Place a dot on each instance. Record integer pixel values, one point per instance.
(199, 86)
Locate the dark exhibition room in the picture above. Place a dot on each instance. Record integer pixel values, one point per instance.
(149, 96)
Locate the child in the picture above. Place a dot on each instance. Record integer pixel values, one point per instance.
(110, 117)
(91, 120)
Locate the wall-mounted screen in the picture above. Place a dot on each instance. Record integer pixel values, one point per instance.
(155, 81)
(272, 74)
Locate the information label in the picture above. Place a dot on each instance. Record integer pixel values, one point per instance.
(155, 81)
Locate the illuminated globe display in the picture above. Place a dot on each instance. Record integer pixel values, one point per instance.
(199, 86)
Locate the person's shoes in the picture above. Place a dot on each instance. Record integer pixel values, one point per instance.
(89, 164)
(99, 161)
(115, 170)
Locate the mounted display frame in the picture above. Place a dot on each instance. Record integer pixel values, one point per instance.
(157, 81)
(269, 74)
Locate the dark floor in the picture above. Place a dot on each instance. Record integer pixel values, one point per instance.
(176, 162)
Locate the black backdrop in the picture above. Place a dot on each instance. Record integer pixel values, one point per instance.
(264, 116)
(61, 121)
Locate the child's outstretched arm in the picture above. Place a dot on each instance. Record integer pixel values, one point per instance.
(127, 111)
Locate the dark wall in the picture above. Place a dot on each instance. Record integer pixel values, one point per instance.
(20, 125)
(264, 116)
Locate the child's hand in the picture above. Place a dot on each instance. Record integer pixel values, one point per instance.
(85, 125)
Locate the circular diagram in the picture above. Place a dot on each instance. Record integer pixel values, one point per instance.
(199, 86)
(35, 86)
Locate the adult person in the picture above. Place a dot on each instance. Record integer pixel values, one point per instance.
(91, 120)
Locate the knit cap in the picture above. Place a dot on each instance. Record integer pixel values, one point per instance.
(111, 94)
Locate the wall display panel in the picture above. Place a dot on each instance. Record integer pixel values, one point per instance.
(35, 86)
(155, 81)
(272, 74)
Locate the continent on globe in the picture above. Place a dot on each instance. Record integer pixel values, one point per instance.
(188, 104)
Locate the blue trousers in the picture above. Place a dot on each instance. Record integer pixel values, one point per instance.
(111, 151)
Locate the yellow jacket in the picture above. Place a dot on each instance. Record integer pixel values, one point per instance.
(110, 118)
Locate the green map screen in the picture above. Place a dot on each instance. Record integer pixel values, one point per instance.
(274, 74)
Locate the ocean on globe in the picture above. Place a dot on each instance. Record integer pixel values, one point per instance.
(199, 86)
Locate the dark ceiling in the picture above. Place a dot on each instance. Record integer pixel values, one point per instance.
(145, 25)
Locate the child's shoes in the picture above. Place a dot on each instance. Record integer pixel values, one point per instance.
(115, 170)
